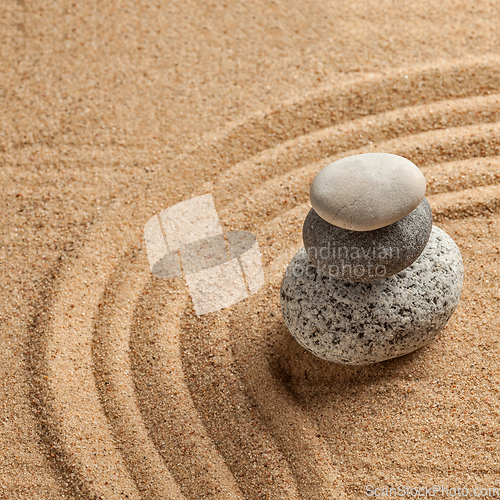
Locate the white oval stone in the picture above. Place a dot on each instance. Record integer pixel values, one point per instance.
(367, 191)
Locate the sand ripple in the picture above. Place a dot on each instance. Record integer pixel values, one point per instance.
(141, 399)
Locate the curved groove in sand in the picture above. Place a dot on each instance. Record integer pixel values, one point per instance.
(116, 386)
(430, 142)
(296, 434)
(373, 95)
(428, 149)
(295, 139)
(166, 402)
(465, 203)
(468, 173)
(71, 397)
(356, 134)
(229, 415)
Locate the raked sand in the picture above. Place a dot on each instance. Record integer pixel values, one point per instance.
(110, 386)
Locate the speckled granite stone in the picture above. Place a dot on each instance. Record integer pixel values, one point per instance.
(363, 323)
(367, 255)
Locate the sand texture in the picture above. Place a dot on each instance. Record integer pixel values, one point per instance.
(110, 386)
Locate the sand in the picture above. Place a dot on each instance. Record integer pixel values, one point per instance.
(110, 386)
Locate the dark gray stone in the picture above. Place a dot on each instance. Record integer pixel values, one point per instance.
(363, 323)
(367, 255)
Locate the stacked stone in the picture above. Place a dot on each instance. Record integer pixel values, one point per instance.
(375, 279)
